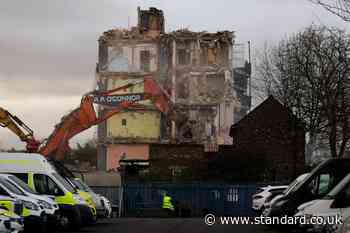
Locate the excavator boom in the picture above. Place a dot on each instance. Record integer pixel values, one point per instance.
(85, 116)
(13, 123)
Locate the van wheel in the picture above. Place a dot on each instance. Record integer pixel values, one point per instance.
(64, 222)
(74, 220)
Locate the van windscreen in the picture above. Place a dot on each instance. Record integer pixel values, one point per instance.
(325, 177)
(82, 185)
(68, 186)
(12, 188)
(338, 188)
(21, 184)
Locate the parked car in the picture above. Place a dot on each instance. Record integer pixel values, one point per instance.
(107, 205)
(269, 203)
(265, 192)
(316, 185)
(101, 208)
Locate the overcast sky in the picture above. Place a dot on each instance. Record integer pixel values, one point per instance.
(48, 48)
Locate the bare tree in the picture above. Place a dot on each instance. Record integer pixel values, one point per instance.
(340, 8)
(309, 73)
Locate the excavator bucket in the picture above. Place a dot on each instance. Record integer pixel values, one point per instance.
(158, 96)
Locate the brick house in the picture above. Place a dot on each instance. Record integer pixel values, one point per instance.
(269, 142)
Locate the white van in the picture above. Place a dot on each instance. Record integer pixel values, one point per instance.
(335, 203)
(102, 207)
(38, 173)
(36, 219)
(49, 205)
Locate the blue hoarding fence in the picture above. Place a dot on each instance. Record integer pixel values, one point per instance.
(191, 200)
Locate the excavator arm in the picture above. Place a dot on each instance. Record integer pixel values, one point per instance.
(14, 124)
(84, 117)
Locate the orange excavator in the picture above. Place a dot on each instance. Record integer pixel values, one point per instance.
(85, 116)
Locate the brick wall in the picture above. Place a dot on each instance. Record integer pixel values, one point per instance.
(177, 162)
(272, 133)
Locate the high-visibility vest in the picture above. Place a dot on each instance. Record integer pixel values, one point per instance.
(167, 203)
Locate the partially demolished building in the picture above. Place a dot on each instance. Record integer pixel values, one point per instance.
(197, 68)
(128, 56)
(194, 67)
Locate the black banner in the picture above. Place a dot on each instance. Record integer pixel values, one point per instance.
(115, 100)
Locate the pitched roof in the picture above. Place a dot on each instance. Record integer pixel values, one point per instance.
(271, 100)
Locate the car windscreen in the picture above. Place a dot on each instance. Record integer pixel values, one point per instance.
(296, 184)
(11, 188)
(67, 185)
(290, 187)
(22, 185)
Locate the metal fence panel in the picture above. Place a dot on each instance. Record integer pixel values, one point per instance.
(199, 199)
(110, 192)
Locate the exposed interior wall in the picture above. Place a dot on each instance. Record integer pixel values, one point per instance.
(122, 80)
(134, 125)
(225, 116)
(125, 151)
(201, 81)
(132, 57)
(198, 88)
(196, 125)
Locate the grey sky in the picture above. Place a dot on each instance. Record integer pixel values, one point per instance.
(49, 47)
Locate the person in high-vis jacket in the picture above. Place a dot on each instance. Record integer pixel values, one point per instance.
(167, 204)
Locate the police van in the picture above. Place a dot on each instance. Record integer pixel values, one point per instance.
(34, 215)
(37, 172)
(49, 205)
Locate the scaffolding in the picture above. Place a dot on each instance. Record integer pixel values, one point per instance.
(239, 55)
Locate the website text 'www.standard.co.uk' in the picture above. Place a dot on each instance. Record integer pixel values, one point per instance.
(211, 219)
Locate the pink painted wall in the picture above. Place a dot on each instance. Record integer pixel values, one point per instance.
(134, 151)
